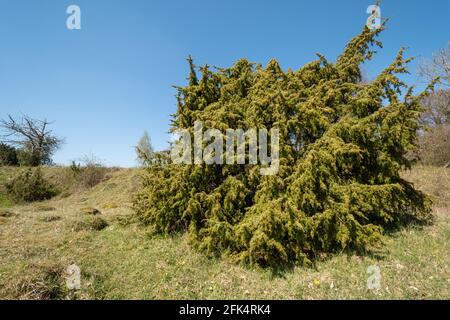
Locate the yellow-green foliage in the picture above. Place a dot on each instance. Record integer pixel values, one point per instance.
(343, 143)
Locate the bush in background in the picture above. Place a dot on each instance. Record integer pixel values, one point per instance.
(434, 142)
(30, 185)
(79, 176)
(8, 155)
(25, 158)
(434, 146)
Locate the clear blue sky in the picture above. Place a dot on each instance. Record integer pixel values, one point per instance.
(105, 84)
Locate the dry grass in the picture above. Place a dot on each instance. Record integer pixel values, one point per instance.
(123, 261)
(433, 181)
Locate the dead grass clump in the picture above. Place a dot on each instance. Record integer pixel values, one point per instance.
(44, 207)
(48, 282)
(7, 214)
(42, 283)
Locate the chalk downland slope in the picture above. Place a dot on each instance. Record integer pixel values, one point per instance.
(119, 259)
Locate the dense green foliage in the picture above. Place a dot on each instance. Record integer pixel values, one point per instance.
(29, 185)
(8, 155)
(343, 143)
(26, 159)
(11, 156)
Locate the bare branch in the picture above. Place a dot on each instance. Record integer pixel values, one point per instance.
(437, 67)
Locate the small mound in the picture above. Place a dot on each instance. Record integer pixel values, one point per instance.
(43, 207)
(90, 223)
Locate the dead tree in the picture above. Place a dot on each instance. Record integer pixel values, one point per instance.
(33, 137)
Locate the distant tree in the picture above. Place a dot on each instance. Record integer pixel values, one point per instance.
(144, 150)
(8, 155)
(437, 108)
(437, 104)
(36, 142)
(434, 141)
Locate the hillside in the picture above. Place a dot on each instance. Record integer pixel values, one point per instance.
(125, 261)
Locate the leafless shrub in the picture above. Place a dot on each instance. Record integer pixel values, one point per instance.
(434, 146)
(89, 172)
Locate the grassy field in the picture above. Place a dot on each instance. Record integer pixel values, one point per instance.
(123, 261)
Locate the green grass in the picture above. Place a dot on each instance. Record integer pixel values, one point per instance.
(123, 261)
